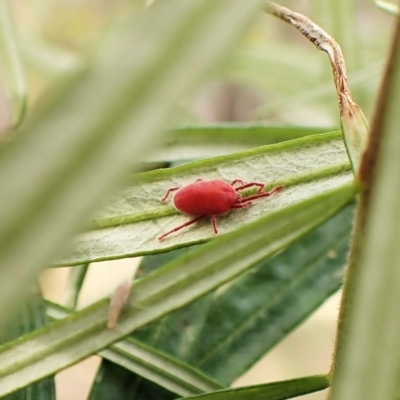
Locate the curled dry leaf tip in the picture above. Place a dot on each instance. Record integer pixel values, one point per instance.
(354, 126)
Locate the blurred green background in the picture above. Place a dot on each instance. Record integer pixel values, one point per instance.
(274, 74)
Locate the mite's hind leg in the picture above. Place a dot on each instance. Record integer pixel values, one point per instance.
(250, 184)
(191, 222)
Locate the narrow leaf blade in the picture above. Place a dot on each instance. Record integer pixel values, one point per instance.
(135, 217)
(11, 65)
(203, 141)
(271, 391)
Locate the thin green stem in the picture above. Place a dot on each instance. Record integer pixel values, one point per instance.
(74, 286)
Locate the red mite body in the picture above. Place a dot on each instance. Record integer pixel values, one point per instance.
(212, 198)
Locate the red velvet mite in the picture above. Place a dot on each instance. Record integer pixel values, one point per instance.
(212, 198)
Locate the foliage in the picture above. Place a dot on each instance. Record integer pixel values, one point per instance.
(99, 132)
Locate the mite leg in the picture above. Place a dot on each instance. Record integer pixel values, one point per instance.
(235, 181)
(214, 223)
(118, 301)
(192, 221)
(242, 205)
(259, 195)
(250, 184)
(169, 191)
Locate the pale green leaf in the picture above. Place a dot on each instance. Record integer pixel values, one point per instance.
(135, 217)
(11, 70)
(388, 6)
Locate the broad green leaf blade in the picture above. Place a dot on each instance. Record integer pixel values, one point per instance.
(228, 331)
(193, 142)
(176, 285)
(135, 217)
(271, 391)
(150, 363)
(30, 316)
(367, 362)
(98, 127)
(11, 71)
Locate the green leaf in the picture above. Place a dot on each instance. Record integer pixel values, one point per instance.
(118, 383)
(11, 65)
(30, 316)
(150, 363)
(367, 363)
(226, 332)
(135, 217)
(271, 391)
(97, 127)
(193, 142)
(48, 59)
(388, 6)
(175, 285)
(258, 310)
